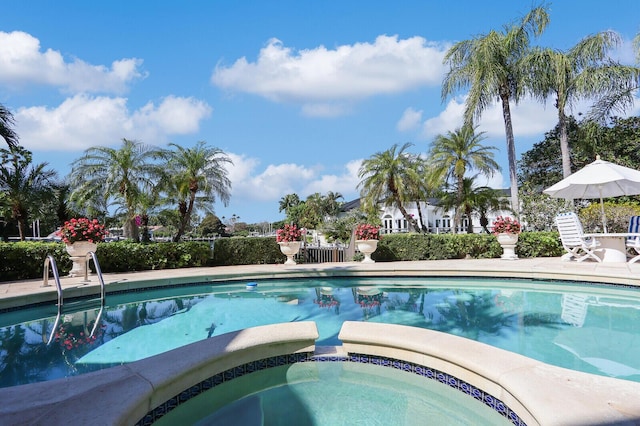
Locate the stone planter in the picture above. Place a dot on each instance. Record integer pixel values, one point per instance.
(290, 249)
(366, 247)
(78, 253)
(508, 243)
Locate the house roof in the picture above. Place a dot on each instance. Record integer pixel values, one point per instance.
(350, 205)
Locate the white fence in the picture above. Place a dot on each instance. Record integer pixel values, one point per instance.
(311, 254)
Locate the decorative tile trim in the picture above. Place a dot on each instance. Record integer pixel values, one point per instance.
(276, 361)
(444, 378)
(225, 376)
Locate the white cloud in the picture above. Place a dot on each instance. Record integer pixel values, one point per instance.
(174, 115)
(496, 181)
(529, 118)
(410, 120)
(83, 121)
(23, 63)
(344, 183)
(345, 74)
(625, 53)
(448, 120)
(277, 180)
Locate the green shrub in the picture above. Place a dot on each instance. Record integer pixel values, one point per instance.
(246, 251)
(25, 260)
(124, 256)
(398, 247)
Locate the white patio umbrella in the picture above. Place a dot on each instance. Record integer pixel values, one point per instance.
(600, 179)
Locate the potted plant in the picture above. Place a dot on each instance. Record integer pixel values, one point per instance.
(367, 237)
(289, 238)
(506, 230)
(81, 236)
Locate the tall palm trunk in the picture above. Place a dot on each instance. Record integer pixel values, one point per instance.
(424, 228)
(511, 151)
(564, 144)
(185, 216)
(469, 221)
(398, 201)
(20, 216)
(407, 216)
(457, 220)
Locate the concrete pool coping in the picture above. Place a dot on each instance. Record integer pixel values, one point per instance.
(601, 400)
(537, 393)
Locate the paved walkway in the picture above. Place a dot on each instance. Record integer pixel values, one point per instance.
(17, 293)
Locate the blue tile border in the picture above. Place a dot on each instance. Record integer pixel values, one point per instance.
(444, 378)
(276, 361)
(225, 376)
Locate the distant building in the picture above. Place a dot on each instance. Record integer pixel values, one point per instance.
(434, 219)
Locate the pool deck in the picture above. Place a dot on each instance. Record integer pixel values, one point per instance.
(17, 293)
(543, 390)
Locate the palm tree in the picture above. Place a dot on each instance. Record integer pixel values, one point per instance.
(491, 65)
(388, 177)
(288, 201)
(582, 72)
(452, 155)
(481, 199)
(196, 176)
(6, 124)
(331, 205)
(122, 174)
(421, 191)
(25, 187)
(488, 200)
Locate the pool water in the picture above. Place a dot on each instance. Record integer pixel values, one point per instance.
(332, 393)
(591, 328)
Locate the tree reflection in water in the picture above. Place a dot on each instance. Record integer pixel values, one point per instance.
(469, 314)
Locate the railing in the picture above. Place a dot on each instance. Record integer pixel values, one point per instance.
(310, 254)
(50, 262)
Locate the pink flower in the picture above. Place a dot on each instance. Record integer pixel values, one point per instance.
(82, 229)
(365, 231)
(289, 233)
(506, 225)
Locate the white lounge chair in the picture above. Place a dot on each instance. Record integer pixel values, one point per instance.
(573, 239)
(633, 240)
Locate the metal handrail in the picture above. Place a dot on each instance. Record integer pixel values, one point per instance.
(51, 261)
(92, 256)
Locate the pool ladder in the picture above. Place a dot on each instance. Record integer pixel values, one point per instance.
(50, 262)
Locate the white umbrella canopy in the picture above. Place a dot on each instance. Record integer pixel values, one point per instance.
(600, 179)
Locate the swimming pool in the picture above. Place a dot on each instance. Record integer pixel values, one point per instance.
(591, 328)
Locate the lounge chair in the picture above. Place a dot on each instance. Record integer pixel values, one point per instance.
(633, 239)
(573, 239)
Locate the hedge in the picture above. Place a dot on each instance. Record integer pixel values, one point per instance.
(25, 260)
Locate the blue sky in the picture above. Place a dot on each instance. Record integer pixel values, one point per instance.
(298, 93)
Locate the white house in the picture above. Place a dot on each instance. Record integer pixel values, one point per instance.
(435, 219)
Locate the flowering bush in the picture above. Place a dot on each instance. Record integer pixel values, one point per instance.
(288, 233)
(82, 229)
(506, 225)
(365, 231)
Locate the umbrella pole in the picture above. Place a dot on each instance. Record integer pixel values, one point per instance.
(604, 219)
